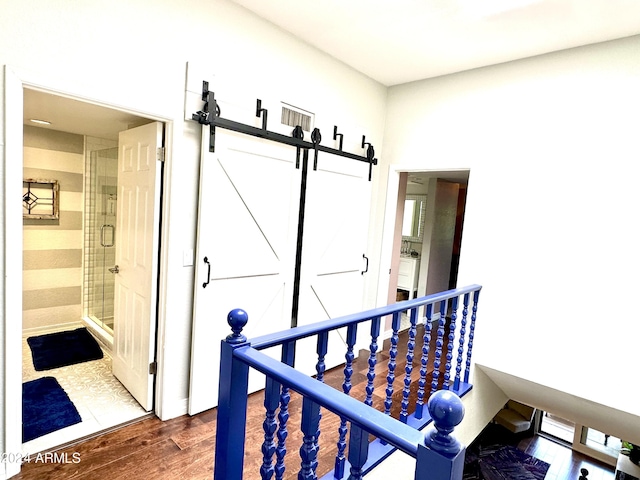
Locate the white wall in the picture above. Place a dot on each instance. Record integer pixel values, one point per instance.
(551, 144)
(141, 49)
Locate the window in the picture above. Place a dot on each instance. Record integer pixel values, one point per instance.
(556, 427)
(603, 442)
(589, 441)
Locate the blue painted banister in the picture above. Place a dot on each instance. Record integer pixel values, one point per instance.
(382, 426)
(232, 402)
(442, 456)
(438, 455)
(297, 333)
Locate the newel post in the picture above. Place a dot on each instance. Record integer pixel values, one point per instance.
(442, 456)
(232, 402)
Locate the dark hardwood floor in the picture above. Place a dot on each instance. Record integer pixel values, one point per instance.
(565, 462)
(183, 448)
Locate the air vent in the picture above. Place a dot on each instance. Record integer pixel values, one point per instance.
(293, 116)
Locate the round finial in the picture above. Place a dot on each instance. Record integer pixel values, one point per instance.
(237, 319)
(447, 411)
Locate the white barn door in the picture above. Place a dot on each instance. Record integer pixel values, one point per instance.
(335, 240)
(247, 225)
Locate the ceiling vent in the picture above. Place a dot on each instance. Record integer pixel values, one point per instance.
(294, 116)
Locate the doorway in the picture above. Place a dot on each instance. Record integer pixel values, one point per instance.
(427, 234)
(78, 144)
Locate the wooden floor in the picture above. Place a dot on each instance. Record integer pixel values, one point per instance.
(183, 448)
(565, 463)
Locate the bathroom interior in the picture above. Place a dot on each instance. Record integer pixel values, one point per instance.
(67, 281)
(432, 216)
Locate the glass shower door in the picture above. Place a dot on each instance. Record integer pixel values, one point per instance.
(100, 220)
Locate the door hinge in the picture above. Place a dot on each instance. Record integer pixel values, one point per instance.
(153, 368)
(160, 154)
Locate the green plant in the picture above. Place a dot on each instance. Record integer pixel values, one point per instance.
(632, 450)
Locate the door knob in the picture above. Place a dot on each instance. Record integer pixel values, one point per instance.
(114, 269)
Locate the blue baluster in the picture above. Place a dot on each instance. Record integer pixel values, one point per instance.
(309, 449)
(442, 456)
(391, 365)
(288, 354)
(463, 332)
(321, 349)
(283, 418)
(451, 339)
(424, 362)
(338, 471)
(408, 369)
(472, 329)
(232, 402)
(358, 451)
(373, 348)
(269, 426)
(439, 343)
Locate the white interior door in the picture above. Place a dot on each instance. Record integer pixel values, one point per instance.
(247, 225)
(335, 240)
(137, 230)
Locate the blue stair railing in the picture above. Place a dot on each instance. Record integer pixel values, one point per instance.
(438, 455)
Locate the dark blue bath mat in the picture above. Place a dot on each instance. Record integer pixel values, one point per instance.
(46, 407)
(63, 348)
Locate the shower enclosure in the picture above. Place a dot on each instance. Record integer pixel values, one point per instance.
(101, 175)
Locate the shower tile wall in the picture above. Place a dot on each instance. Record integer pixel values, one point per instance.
(100, 204)
(52, 249)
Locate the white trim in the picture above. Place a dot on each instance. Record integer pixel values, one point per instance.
(391, 208)
(30, 332)
(15, 81)
(13, 105)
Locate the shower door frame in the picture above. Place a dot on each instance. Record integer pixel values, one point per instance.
(15, 80)
(97, 243)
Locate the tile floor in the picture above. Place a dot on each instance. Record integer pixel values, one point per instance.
(100, 398)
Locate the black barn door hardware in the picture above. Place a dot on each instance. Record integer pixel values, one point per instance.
(336, 135)
(210, 115)
(366, 268)
(370, 154)
(299, 134)
(206, 260)
(263, 111)
(316, 138)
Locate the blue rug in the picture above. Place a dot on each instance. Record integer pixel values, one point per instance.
(63, 348)
(46, 407)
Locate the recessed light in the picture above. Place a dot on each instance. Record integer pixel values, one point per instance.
(39, 122)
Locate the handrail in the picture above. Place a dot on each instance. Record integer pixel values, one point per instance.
(297, 333)
(438, 455)
(400, 435)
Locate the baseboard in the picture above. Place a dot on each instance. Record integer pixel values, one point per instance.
(34, 331)
(173, 409)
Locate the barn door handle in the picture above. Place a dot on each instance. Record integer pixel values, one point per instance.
(366, 268)
(206, 260)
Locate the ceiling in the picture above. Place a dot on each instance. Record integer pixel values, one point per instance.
(397, 41)
(401, 41)
(73, 116)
